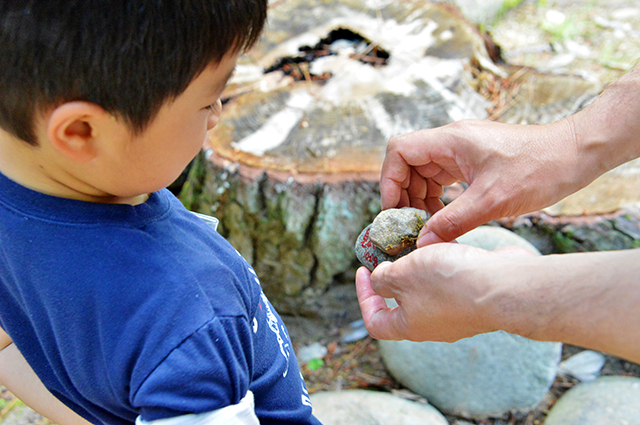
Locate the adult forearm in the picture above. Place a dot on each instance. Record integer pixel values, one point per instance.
(589, 299)
(608, 130)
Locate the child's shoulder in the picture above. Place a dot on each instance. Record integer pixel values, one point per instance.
(157, 247)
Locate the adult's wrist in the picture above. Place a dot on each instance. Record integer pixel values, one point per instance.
(607, 132)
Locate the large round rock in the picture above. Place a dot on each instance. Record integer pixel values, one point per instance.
(486, 375)
(607, 400)
(373, 408)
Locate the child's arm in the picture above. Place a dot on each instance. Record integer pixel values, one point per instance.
(18, 377)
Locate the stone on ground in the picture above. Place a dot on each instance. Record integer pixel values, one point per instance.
(487, 375)
(606, 401)
(492, 238)
(360, 407)
(483, 376)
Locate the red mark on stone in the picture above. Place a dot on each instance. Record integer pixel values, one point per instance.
(366, 242)
(371, 259)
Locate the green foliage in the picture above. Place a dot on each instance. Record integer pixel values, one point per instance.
(564, 242)
(611, 56)
(315, 364)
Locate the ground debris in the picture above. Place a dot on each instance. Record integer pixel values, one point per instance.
(499, 91)
(349, 366)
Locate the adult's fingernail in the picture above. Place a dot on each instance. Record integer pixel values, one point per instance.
(428, 238)
(380, 267)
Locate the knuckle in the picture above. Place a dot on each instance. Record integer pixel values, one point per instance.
(450, 227)
(463, 125)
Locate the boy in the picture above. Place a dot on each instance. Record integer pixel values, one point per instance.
(122, 304)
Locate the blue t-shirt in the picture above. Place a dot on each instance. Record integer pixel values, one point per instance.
(127, 311)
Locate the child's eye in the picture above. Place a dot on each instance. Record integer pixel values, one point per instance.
(215, 107)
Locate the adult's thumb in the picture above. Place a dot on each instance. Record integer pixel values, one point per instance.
(455, 219)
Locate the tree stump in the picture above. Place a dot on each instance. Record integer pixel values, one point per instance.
(292, 169)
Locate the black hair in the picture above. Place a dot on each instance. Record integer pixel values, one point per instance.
(127, 56)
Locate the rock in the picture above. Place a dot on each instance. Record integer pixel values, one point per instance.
(370, 255)
(492, 238)
(486, 375)
(392, 235)
(359, 407)
(359, 332)
(310, 352)
(396, 229)
(585, 366)
(586, 233)
(607, 400)
(480, 11)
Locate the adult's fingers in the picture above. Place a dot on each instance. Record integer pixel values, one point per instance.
(463, 214)
(379, 320)
(406, 155)
(395, 178)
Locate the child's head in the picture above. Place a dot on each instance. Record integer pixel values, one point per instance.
(128, 56)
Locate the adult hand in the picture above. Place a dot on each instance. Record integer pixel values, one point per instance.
(510, 169)
(448, 291)
(443, 292)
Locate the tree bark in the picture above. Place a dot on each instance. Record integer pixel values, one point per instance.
(292, 169)
(297, 230)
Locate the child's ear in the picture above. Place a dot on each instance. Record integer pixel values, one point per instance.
(73, 129)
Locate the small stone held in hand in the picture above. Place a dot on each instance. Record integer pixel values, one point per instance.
(396, 229)
(392, 235)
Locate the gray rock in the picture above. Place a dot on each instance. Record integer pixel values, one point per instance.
(359, 407)
(486, 375)
(396, 229)
(492, 238)
(605, 401)
(310, 352)
(370, 255)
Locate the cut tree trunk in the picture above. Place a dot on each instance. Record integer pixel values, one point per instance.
(297, 231)
(292, 169)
